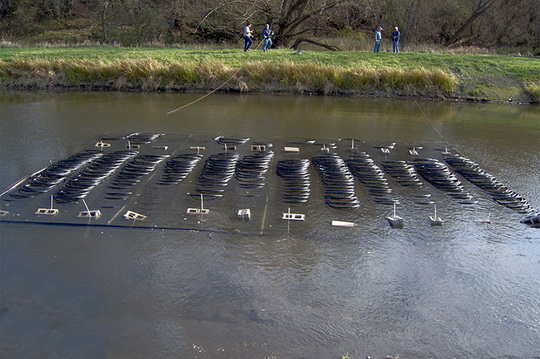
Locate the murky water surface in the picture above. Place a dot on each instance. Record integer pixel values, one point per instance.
(299, 289)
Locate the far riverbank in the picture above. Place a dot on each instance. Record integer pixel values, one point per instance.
(471, 77)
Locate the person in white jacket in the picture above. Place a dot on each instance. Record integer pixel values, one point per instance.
(378, 39)
(248, 37)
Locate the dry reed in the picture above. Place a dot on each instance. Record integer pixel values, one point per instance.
(151, 75)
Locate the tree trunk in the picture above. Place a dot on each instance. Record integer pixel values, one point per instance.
(480, 9)
(326, 46)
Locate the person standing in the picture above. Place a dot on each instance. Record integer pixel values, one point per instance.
(267, 33)
(248, 36)
(378, 39)
(396, 36)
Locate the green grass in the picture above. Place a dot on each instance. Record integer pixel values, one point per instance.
(533, 89)
(491, 77)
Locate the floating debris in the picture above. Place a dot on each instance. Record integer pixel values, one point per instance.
(291, 149)
(167, 171)
(499, 192)
(435, 220)
(80, 186)
(296, 180)
(201, 210)
(47, 179)
(51, 211)
(343, 224)
(337, 180)
(142, 138)
(288, 216)
(486, 220)
(251, 169)
(532, 220)
(395, 220)
(222, 140)
(178, 167)
(96, 214)
(218, 170)
(403, 172)
(102, 144)
(371, 176)
(135, 216)
(244, 214)
(440, 176)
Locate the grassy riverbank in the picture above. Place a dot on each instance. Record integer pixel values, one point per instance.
(464, 76)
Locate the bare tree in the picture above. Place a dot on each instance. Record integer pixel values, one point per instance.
(294, 18)
(478, 10)
(486, 23)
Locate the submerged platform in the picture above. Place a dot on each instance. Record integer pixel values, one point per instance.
(230, 184)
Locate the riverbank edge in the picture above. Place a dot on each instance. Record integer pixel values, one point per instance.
(271, 78)
(359, 94)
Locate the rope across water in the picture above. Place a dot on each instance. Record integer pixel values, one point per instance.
(214, 90)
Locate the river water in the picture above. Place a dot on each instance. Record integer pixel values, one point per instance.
(303, 290)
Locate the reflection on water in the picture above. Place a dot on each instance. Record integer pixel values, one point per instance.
(464, 289)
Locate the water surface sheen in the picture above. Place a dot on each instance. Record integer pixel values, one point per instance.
(466, 289)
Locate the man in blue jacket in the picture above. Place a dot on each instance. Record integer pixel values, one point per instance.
(266, 34)
(396, 36)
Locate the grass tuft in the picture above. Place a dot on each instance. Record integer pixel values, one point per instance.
(533, 90)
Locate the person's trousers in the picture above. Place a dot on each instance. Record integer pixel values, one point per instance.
(377, 47)
(248, 43)
(396, 46)
(267, 43)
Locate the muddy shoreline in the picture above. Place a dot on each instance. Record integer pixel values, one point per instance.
(376, 94)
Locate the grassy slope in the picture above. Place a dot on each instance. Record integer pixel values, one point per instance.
(491, 77)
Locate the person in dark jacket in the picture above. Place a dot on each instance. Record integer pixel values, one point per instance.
(267, 34)
(396, 36)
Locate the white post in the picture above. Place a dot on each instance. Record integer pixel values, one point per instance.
(289, 222)
(87, 209)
